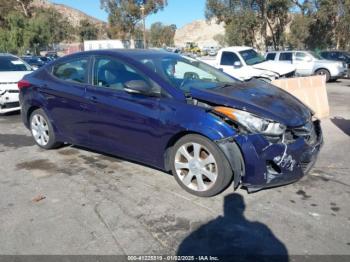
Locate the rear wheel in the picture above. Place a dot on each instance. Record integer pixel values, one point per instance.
(199, 166)
(324, 72)
(42, 130)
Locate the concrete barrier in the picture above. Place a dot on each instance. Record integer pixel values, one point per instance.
(310, 90)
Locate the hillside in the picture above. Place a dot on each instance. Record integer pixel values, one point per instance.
(200, 32)
(73, 15)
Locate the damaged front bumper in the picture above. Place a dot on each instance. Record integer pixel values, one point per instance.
(266, 164)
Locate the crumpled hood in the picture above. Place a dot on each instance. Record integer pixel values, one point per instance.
(259, 98)
(276, 67)
(10, 79)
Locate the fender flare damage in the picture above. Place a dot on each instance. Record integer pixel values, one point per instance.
(235, 158)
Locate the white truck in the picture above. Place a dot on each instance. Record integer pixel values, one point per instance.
(102, 44)
(245, 63)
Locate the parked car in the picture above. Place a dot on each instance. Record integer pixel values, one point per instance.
(309, 63)
(245, 63)
(34, 61)
(341, 56)
(46, 59)
(52, 55)
(12, 69)
(173, 113)
(212, 51)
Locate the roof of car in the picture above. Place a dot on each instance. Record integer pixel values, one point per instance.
(6, 54)
(236, 48)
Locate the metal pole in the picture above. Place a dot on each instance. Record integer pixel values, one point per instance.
(144, 26)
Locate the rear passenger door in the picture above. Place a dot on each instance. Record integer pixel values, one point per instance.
(64, 93)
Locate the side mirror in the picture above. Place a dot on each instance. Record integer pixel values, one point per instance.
(137, 87)
(237, 64)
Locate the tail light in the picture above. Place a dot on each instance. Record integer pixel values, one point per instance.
(23, 84)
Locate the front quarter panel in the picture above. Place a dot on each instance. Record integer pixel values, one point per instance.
(180, 116)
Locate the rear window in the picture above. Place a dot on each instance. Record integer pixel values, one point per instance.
(10, 63)
(271, 56)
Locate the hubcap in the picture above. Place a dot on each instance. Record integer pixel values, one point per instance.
(40, 130)
(196, 167)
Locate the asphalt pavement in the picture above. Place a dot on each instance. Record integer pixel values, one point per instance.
(74, 201)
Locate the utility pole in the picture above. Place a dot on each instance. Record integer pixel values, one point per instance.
(144, 26)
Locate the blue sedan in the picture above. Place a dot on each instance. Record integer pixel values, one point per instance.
(174, 113)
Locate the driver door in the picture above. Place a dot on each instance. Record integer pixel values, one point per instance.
(120, 122)
(227, 64)
(304, 63)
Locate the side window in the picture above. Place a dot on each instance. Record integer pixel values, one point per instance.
(287, 56)
(300, 56)
(228, 58)
(113, 74)
(325, 55)
(72, 71)
(271, 56)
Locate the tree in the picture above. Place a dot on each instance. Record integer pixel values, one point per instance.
(44, 28)
(160, 34)
(299, 31)
(22, 6)
(252, 22)
(87, 30)
(220, 39)
(124, 15)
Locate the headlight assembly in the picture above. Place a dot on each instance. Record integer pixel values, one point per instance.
(252, 123)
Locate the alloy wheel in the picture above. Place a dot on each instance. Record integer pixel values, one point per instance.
(196, 166)
(40, 130)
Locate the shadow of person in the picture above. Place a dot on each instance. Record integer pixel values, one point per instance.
(342, 123)
(233, 236)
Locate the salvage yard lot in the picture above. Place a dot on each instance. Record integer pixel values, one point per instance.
(74, 201)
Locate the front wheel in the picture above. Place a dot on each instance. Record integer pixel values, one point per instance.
(42, 130)
(199, 166)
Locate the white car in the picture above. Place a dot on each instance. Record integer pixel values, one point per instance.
(245, 63)
(309, 63)
(12, 69)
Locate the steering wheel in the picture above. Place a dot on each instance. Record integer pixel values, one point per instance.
(188, 77)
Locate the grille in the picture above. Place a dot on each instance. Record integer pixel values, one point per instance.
(10, 105)
(308, 132)
(8, 83)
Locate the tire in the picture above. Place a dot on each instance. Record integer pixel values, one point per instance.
(210, 166)
(324, 72)
(42, 130)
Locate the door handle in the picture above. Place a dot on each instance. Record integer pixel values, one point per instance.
(93, 99)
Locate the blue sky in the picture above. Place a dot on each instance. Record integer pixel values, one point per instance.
(179, 12)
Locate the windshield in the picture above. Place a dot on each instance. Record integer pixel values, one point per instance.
(251, 57)
(315, 55)
(10, 63)
(185, 73)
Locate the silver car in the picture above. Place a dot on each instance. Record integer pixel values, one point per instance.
(309, 63)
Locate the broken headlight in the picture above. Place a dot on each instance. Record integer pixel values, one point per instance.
(252, 123)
